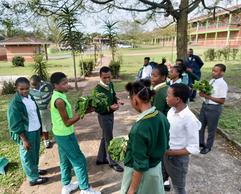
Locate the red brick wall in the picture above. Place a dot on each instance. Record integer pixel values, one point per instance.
(27, 51)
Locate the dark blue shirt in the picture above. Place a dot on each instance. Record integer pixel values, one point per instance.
(195, 63)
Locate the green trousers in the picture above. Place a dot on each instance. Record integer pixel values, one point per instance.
(71, 156)
(151, 181)
(30, 158)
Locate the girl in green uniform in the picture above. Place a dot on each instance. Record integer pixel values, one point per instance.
(69, 152)
(148, 140)
(25, 127)
(158, 81)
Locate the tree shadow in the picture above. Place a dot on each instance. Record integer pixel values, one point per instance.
(53, 170)
(111, 189)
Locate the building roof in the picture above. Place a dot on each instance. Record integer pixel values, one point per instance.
(23, 41)
(218, 13)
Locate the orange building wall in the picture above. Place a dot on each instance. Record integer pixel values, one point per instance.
(3, 54)
(27, 51)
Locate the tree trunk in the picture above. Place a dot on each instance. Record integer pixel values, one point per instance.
(182, 25)
(75, 74)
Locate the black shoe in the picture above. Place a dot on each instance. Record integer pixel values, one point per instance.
(117, 168)
(42, 172)
(205, 150)
(201, 145)
(101, 163)
(39, 181)
(192, 100)
(167, 187)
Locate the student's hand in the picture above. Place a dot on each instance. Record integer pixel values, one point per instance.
(114, 107)
(90, 110)
(189, 70)
(201, 94)
(120, 102)
(26, 145)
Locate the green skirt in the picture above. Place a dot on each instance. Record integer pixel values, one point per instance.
(151, 182)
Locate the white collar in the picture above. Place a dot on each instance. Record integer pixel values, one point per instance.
(103, 84)
(146, 112)
(159, 85)
(181, 113)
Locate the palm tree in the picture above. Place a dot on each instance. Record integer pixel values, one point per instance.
(111, 34)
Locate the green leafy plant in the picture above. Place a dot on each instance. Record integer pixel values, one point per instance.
(96, 101)
(115, 68)
(86, 67)
(18, 61)
(117, 148)
(40, 67)
(8, 88)
(203, 86)
(234, 53)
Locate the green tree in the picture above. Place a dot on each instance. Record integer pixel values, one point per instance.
(111, 34)
(70, 36)
(40, 67)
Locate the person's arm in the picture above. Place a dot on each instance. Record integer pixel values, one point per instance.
(60, 105)
(26, 144)
(217, 100)
(135, 181)
(180, 152)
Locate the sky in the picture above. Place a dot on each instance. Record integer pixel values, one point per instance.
(95, 22)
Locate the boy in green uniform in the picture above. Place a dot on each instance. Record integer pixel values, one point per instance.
(106, 118)
(42, 92)
(25, 128)
(63, 129)
(158, 81)
(148, 141)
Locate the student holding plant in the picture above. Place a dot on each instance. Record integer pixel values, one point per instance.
(106, 118)
(70, 154)
(212, 106)
(25, 127)
(148, 141)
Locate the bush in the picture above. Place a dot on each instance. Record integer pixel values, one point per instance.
(226, 53)
(86, 67)
(18, 61)
(115, 68)
(40, 67)
(209, 54)
(218, 54)
(8, 88)
(234, 53)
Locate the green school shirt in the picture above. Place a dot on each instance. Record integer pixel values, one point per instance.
(111, 95)
(17, 116)
(159, 100)
(59, 128)
(148, 141)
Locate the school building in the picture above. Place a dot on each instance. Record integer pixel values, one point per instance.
(223, 30)
(26, 47)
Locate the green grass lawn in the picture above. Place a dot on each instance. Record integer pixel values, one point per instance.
(10, 183)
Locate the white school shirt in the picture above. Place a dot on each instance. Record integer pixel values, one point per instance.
(146, 72)
(178, 81)
(184, 130)
(220, 89)
(34, 123)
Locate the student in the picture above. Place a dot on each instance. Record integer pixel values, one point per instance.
(42, 92)
(106, 118)
(184, 127)
(145, 71)
(175, 75)
(185, 78)
(25, 128)
(212, 107)
(148, 141)
(63, 129)
(158, 81)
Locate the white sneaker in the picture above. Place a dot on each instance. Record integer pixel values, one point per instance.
(70, 187)
(167, 182)
(89, 191)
